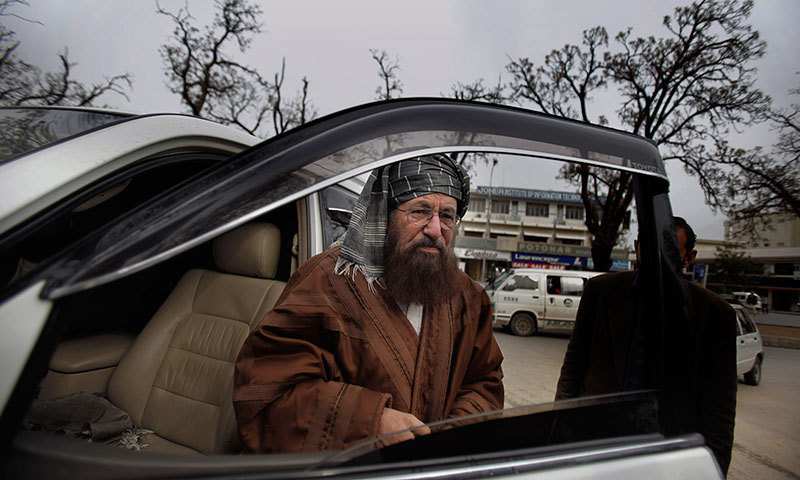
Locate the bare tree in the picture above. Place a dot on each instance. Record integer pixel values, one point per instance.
(289, 114)
(22, 83)
(754, 184)
(476, 91)
(694, 85)
(213, 84)
(391, 86)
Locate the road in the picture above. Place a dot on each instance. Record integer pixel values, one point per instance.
(778, 318)
(767, 435)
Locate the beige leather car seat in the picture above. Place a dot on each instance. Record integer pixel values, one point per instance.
(177, 378)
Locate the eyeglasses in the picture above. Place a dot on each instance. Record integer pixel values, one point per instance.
(423, 216)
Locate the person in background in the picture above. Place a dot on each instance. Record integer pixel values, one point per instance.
(608, 351)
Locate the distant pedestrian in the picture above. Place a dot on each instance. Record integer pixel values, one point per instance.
(764, 306)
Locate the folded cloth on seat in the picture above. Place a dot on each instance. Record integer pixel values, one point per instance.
(78, 415)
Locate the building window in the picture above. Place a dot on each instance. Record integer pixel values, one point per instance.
(574, 213)
(570, 241)
(537, 209)
(784, 269)
(470, 233)
(534, 239)
(477, 205)
(500, 206)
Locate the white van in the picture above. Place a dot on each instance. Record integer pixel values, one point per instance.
(749, 300)
(529, 299)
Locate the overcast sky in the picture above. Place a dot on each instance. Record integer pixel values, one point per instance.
(437, 42)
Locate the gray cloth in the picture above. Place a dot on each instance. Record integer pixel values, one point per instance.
(387, 187)
(79, 415)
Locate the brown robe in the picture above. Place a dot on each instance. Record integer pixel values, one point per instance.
(320, 368)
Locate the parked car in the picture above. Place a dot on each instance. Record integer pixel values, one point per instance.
(149, 301)
(749, 300)
(749, 349)
(533, 299)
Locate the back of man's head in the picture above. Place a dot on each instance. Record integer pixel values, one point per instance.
(691, 237)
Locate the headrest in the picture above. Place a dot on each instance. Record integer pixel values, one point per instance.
(250, 250)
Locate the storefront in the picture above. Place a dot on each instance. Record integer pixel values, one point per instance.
(475, 261)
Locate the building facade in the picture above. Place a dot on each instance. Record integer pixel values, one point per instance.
(523, 228)
(777, 252)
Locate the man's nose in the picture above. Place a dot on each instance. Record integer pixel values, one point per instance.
(434, 228)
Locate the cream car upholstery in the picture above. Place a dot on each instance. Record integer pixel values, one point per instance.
(84, 364)
(177, 378)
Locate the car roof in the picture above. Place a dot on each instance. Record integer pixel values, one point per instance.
(40, 178)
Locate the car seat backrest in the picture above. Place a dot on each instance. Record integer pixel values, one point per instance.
(177, 378)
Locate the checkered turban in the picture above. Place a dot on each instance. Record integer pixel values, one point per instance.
(387, 187)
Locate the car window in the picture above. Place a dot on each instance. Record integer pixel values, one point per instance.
(572, 286)
(739, 327)
(337, 206)
(521, 282)
(106, 201)
(329, 150)
(563, 285)
(746, 322)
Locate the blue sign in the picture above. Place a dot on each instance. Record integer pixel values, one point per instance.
(620, 265)
(533, 258)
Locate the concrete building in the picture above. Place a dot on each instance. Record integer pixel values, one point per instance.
(778, 254)
(518, 227)
(780, 231)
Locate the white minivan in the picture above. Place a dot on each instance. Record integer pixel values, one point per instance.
(529, 299)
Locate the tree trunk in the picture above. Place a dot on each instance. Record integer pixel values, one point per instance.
(601, 252)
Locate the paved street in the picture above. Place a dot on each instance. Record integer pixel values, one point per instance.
(777, 318)
(767, 436)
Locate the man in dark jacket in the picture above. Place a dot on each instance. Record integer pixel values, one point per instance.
(607, 352)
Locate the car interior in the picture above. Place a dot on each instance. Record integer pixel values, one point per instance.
(161, 344)
(166, 354)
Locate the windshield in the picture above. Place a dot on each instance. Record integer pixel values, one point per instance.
(26, 129)
(494, 284)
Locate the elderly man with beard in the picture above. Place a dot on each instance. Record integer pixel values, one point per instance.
(379, 334)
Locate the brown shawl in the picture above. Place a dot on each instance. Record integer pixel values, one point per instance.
(320, 368)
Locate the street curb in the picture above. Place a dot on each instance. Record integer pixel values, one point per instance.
(782, 342)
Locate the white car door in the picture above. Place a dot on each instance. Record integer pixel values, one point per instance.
(746, 342)
(563, 297)
(519, 293)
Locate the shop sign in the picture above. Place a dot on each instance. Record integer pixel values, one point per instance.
(543, 266)
(481, 254)
(620, 265)
(534, 261)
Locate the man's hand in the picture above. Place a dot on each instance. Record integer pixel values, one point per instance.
(394, 420)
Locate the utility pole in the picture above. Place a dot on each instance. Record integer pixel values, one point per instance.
(486, 232)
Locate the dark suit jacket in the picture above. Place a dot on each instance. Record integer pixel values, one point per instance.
(597, 355)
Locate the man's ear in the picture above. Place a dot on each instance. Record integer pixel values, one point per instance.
(690, 258)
